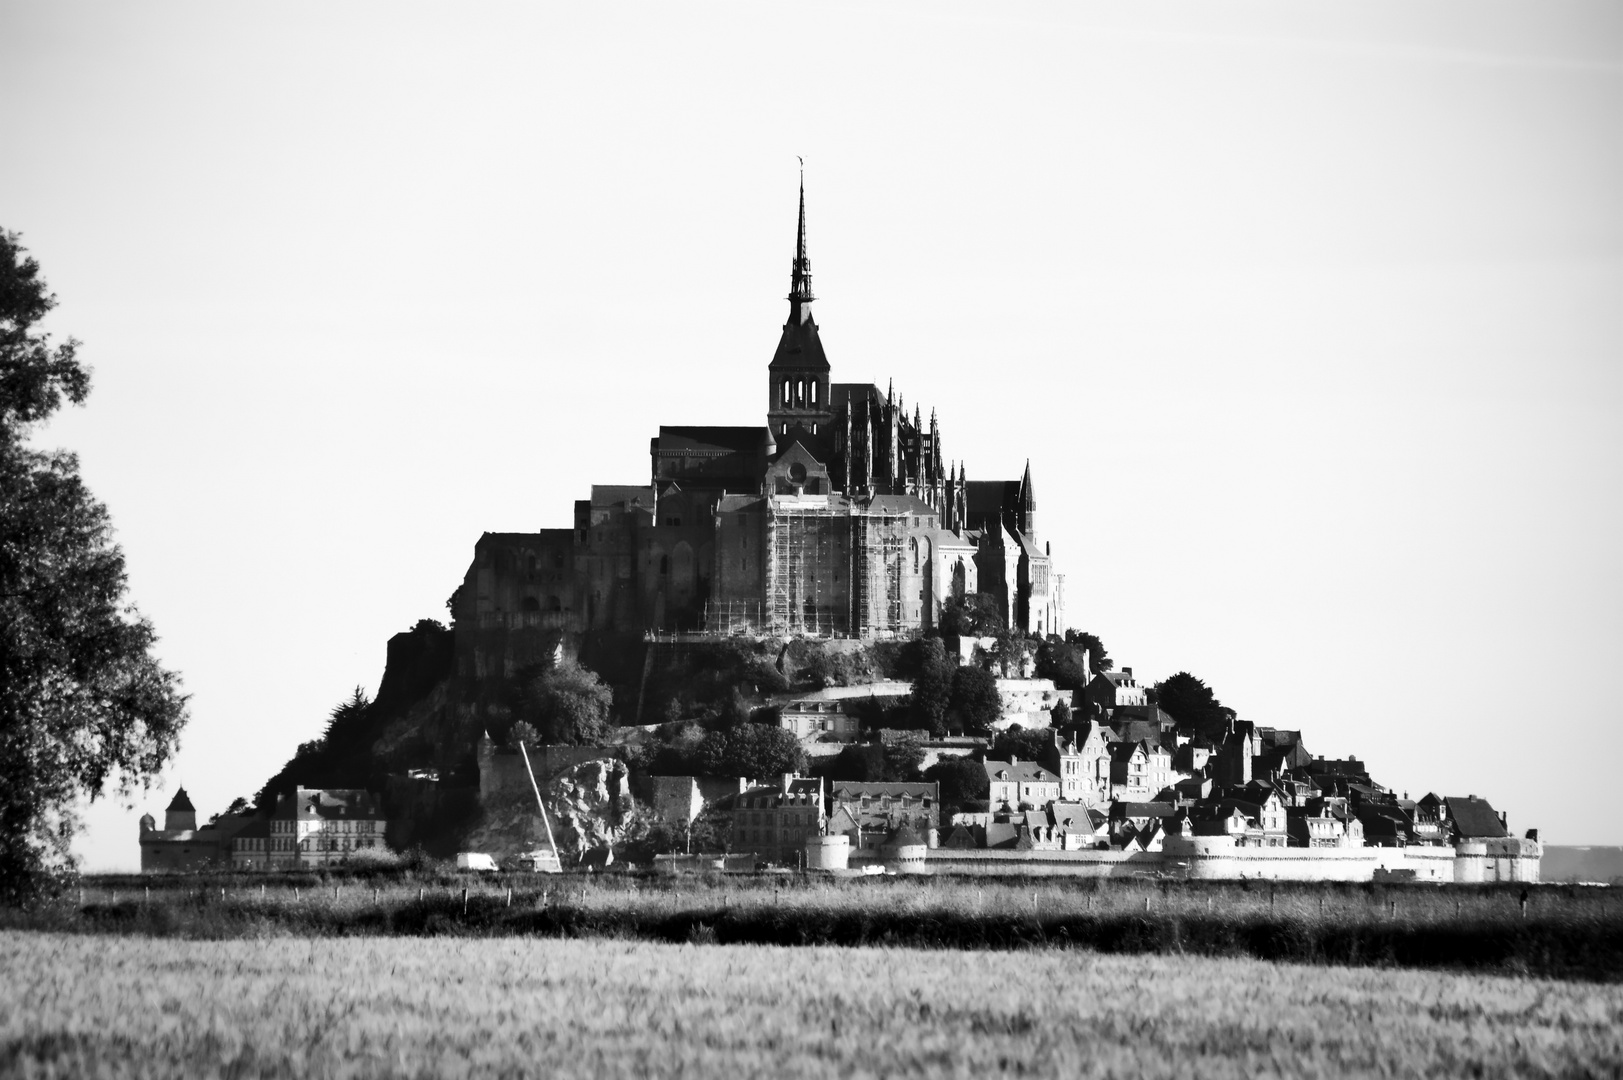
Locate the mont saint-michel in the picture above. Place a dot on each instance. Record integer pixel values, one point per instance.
(812, 641)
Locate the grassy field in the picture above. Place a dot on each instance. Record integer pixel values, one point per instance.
(79, 1005)
(1564, 931)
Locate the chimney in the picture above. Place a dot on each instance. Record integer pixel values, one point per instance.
(1127, 671)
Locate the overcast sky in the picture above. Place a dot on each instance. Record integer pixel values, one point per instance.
(1307, 317)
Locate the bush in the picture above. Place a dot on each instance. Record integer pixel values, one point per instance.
(975, 700)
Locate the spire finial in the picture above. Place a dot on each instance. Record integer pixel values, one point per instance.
(800, 287)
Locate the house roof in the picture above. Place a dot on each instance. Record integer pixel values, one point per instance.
(1474, 818)
(1143, 809)
(1001, 834)
(1022, 771)
(841, 790)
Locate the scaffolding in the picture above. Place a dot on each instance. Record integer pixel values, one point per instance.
(879, 548)
(803, 569)
(733, 617)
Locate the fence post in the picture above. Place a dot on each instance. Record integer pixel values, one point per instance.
(510, 896)
(419, 894)
(295, 892)
(464, 899)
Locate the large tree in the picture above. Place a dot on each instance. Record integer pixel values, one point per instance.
(84, 706)
(1192, 704)
(975, 699)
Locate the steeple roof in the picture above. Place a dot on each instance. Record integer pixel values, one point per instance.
(799, 347)
(181, 801)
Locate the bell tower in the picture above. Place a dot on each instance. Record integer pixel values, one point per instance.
(797, 378)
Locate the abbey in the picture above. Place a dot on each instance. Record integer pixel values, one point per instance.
(840, 517)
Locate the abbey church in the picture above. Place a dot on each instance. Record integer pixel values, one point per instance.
(840, 517)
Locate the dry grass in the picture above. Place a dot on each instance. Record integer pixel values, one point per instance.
(80, 1005)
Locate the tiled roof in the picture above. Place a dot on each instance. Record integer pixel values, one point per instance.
(1474, 818)
(1022, 771)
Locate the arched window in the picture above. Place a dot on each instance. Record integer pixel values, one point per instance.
(788, 392)
(554, 604)
(531, 564)
(530, 604)
(664, 564)
(814, 392)
(913, 546)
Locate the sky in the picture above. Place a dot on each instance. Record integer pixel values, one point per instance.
(1306, 316)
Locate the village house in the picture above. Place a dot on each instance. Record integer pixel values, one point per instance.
(1012, 785)
(313, 827)
(1110, 690)
(775, 822)
(1139, 771)
(836, 711)
(1079, 827)
(1080, 757)
(868, 812)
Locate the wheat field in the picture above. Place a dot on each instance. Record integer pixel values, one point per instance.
(88, 1005)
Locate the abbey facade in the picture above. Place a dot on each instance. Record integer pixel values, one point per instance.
(839, 518)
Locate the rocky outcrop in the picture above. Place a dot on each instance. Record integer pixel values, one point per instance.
(590, 808)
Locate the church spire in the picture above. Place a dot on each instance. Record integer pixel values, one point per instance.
(800, 286)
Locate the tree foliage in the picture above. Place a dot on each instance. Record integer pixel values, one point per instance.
(1098, 658)
(1063, 662)
(897, 762)
(1192, 704)
(1027, 744)
(971, 615)
(84, 706)
(932, 686)
(340, 758)
(757, 751)
(974, 699)
(567, 704)
(962, 780)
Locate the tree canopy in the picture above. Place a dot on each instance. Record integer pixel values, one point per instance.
(567, 703)
(972, 615)
(1192, 704)
(962, 780)
(1027, 744)
(84, 705)
(975, 700)
(932, 686)
(1063, 662)
(1098, 658)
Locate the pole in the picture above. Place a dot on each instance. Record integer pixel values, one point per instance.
(537, 789)
(464, 900)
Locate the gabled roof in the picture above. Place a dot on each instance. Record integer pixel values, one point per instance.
(844, 790)
(900, 504)
(1022, 771)
(735, 440)
(1474, 818)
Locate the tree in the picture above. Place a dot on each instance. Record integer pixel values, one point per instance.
(753, 750)
(974, 615)
(1017, 742)
(1098, 658)
(84, 706)
(1059, 717)
(975, 700)
(568, 704)
(962, 781)
(1192, 704)
(1063, 663)
(932, 686)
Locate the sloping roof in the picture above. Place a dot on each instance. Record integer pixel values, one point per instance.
(1001, 834)
(841, 790)
(737, 440)
(906, 836)
(181, 801)
(885, 688)
(800, 347)
(1143, 809)
(900, 504)
(618, 494)
(1022, 771)
(1474, 818)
